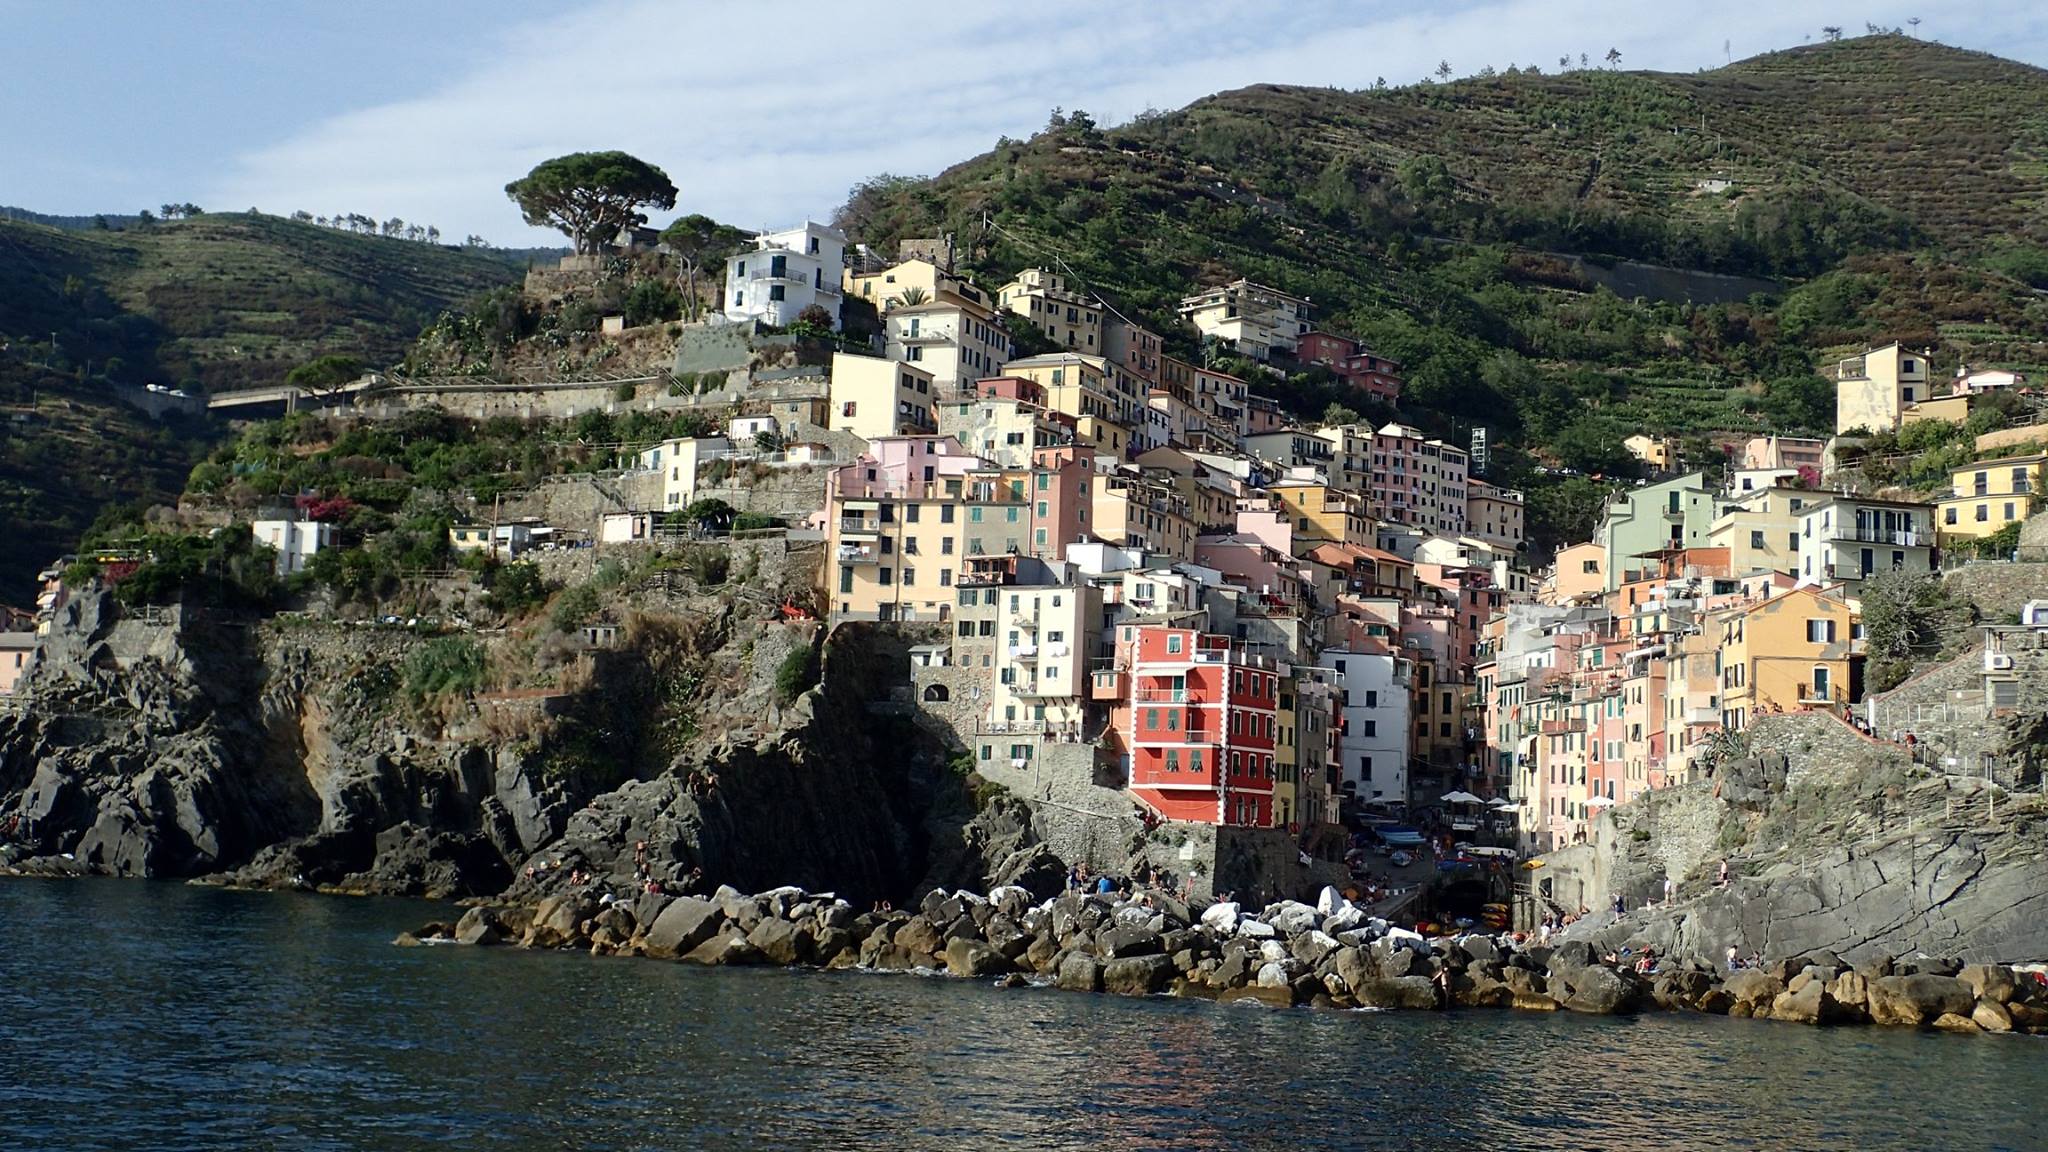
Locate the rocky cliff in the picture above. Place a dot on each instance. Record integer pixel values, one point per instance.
(286, 751)
(1835, 843)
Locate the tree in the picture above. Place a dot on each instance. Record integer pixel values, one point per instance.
(1443, 70)
(591, 196)
(1564, 62)
(699, 243)
(1339, 414)
(1831, 33)
(1613, 57)
(912, 296)
(325, 374)
(1914, 23)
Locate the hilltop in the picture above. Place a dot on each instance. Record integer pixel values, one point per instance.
(1478, 231)
(226, 300)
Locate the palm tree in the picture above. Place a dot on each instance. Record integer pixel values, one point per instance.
(912, 295)
(1613, 57)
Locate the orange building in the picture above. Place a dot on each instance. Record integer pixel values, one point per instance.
(1199, 723)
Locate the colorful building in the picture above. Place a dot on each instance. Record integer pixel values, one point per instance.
(1200, 723)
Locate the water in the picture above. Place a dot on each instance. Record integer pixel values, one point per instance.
(140, 1015)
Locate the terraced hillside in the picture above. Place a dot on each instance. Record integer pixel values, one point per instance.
(1890, 188)
(227, 300)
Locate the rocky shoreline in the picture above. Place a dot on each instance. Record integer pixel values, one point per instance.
(1289, 954)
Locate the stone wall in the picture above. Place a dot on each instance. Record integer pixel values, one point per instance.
(952, 719)
(2000, 589)
(791, 493)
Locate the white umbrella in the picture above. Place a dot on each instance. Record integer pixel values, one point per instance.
(1598, 802)
(1500, 802)
(1460, 798)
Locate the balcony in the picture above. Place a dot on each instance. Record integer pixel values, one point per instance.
(1161, 695)
(858, 554)
(1563, 727)
(1702, 715)
(1028, 622)
(1026, 653)
(927, 336)
(1897, 537)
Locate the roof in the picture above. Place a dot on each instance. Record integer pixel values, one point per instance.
(1845, 498)
(17, 641)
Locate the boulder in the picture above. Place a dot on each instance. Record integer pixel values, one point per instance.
(1409, 992)
(1236, 968)
(1751, 991)
(965, 957)
(1851, 991)
(557, 921)
(1123, 940)
(1955, 1022)
(1481, 949)
(1527, 990)
(1079, 972)
(1256, 930)
(1275, 974)
(1600, 991)
(1476, 988)
(1222, 917)
(681, 927)
(1572, 954)
(1353, 967)
(1040, 953)
(1272, 997)
(1807, 1004)
(781, 942)
(1310, 947)
(479, 925)
(1137, 975)
(1919, 999)
(730, 946)
(835, 947)
(1992, 982)
(1992, 1016)
(1343, 920)
(919, 936)
(1289, 917)
(1929, 966)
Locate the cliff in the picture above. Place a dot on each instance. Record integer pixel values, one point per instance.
(1835, 843)
(291, 752)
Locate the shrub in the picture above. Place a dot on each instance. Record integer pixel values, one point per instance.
(574, 606)
(514, 588)
(448, 664)
(797, 674)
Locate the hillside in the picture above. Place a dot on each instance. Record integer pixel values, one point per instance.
(1890, 185)
(225, 301)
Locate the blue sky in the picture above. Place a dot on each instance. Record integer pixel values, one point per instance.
(425, 109)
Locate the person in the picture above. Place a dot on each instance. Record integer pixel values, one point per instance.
(1073, 877)
(1103, 885)
(1734, 960)
(1619, 906)
(1723, 881)
(1670, 889)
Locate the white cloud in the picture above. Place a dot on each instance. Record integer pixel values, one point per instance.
(766, 114)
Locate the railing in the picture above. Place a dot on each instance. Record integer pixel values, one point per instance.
(1163, 696)
(1904, 538)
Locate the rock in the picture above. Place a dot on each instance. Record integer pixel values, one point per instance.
(1851, 991)
(1274, 974)
(965, 957)
(1929, 966)
(1481, 949)
(1079, 972)
(407, 940)
(1475, 988)
(1919, 999)
(1137, 975)
(839, 915)
(1271, 997)
(1600, 991)
(1989, 982)
(2031, 1018)
(781, 942)
(1235, 969)
(682, 926)
(1343, 920)
(557, 921)
(1991, 1016)
(920, 937)
(1126, 940)
(1311, 947)
(1751, 992)
(1290, 917)
(1256, 930)
(1393, 961)
(1807, 1004)
(1954, 1022)
(1400, 992)
(728, 947)
(1824, 958)
(1013, 980)
(1353, 967)
(832, 945)
(1528, 990)
(478, 926)
(1572, 954)
(1329, 900)
(1040, 953)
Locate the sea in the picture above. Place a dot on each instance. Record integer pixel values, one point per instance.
(148, 1015)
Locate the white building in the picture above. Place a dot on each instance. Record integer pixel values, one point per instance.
(786, 273)
(677, 461)
(1257, 320)
(1844, 539)
(295, 541)
(1372, 741)
(956, 340)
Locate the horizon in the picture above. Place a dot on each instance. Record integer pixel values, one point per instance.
(365, 125)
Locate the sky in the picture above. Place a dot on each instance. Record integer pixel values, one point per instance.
(762, 114)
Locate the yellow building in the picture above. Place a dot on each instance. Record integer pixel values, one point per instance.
(885, 289)
(1760, 530)
(1578, 573)
(895, 522)
(1659, 452)
(1143, 510)
(1872, 391)
(1083, 386)
(873, 398)
(1062, 313)
(1320, 512)
(1254, 319)
(1798, 650)
(1987, 497)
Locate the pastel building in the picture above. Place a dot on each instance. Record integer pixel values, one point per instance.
(1256, 320)
(1199, 724)
(1843, 539)
(1873, 391)
(294, 541)
(1067, 316)
(895, 520)
(785, 273)
(873, 398)
(954, 339)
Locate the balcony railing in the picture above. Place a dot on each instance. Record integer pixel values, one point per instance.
(857, 554)
(1899, 537)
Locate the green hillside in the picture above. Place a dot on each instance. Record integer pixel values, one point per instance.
(214, 302)
(1892, 188)
(226, 301)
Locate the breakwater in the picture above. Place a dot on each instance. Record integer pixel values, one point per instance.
(1288, 954)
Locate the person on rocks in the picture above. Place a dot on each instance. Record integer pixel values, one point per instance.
(1103, 886)
(1722, 881)
(1734, 958)
(1620, 906)
(1073, 877)
(1670, 889)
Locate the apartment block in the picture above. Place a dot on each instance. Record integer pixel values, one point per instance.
(1066, 315)
(785, 273)
(1256, 320)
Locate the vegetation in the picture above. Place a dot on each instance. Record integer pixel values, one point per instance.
(1480, 233)
(445, 665)
(591, 197)
(797, 674)
(1907, 618)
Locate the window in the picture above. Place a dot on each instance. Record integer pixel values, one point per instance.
(1372, 697)
(1820, 631)
(847, 409)
(884, 576)
(2008, 509)
(945, 577)
(1151, 719)
(946, 517)
(1983, 513)
(1194, 759)
(1173, 759)
(1589, 567)
(909, 577)
(775, 292)
(1756, 539)
(1372, 727)
(1365, 767)
(1173, 645)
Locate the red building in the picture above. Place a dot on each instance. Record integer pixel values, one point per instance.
(1199, 722)
(1376, 376)
(1010, 388)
